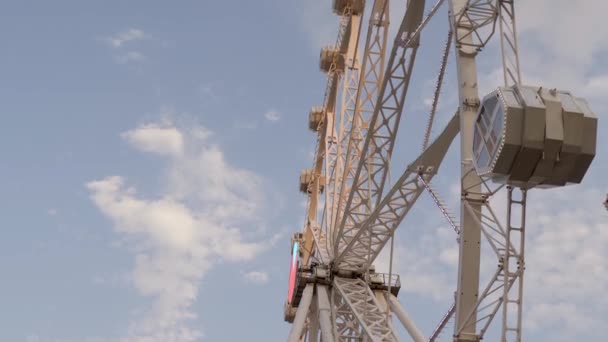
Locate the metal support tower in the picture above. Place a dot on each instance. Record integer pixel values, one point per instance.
(342, 125)
(474, 22)
(367, 87)
(508, 243)
(470, 233)
(338, 296)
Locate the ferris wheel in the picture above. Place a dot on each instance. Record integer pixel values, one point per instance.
(512, 140)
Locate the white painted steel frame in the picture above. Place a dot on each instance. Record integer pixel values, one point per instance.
(405, 319)
(312, 237)
(468, 20)
(365, 308)
(297, 328)
(508, 243)
(358, 236)
(326, 318)
(370, 177)
(369, 241)
(357, 121)
(508, 42)
(341, 126)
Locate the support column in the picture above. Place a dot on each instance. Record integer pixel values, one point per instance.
(470, 234)
(297, 329)
(313, 316)
(324, 314)
(405, 319)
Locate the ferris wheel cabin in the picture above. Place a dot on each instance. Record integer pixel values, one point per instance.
(534, 137)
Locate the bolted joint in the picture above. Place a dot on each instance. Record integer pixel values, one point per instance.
(473, 197)
(469, 337)
(471, 104)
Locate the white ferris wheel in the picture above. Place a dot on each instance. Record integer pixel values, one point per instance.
(517, 138)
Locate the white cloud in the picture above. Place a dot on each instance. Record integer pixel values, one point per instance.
(578, 40)
(566, 262)
(52, 212)
(422, 272)
(272, 115)
(119, 42)
(179, 236)
(256, 277)
(156, 138)
(566, 255)
(124, 37)
(565, 56)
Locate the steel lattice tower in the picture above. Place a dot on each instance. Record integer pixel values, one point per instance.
(513, 140)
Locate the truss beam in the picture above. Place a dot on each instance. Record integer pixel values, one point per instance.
(365, 308)
(370, 176)
(327, 136)
(368, 85)
(508, 43)
(514, 266)
(340, 124)
(508, 244)
(359, 95)
(346, 325)
(367, 244)
(475, 21)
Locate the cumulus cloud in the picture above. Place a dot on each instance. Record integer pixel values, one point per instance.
(564, 56)
(566, 238)
(156, 138)
(122, 38)
(272, 115)
(579, 41)
(566, 262)
(424, 262)
(120, 41)
(180, 235)
(256, 277)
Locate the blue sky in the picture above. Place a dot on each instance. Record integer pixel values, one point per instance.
(151, 157)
